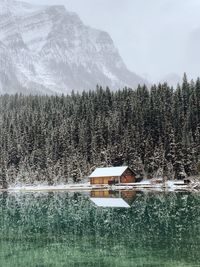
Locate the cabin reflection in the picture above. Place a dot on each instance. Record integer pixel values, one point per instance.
(109, 198)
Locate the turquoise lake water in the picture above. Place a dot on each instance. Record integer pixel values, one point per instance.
(60, 229)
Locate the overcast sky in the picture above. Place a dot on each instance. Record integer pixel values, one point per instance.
(154, 37)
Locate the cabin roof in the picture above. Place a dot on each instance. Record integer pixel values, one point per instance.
(110, 202)
(108, 171)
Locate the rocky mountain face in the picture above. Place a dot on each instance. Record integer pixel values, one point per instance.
(46, 49)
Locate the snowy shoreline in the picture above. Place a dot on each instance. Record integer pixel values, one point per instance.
(144, 185)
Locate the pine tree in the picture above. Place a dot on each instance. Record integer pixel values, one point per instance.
(62, 138)
(3, 176)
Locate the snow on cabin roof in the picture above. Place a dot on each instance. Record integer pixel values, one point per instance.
(110, 202)
(108, 171)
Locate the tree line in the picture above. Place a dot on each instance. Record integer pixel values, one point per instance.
(60, 139)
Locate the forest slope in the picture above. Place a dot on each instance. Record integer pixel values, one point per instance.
(58, 139)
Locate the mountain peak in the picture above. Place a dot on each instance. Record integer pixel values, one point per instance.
(49, 49)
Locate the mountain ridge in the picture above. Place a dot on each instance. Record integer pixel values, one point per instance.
(47, 49)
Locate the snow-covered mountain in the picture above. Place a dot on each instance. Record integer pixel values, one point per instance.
(46, 49)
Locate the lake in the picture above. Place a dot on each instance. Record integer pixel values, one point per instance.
(81, 230)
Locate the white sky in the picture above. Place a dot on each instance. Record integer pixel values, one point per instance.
(154, 37)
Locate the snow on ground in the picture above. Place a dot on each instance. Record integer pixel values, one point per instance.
(49, 187)
(144, 185)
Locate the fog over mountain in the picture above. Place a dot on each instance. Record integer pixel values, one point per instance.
(47, 49)
(155, 38)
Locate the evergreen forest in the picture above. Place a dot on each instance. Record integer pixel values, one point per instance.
(61, 139)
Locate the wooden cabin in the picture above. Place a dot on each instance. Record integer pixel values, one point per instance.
(112, 175)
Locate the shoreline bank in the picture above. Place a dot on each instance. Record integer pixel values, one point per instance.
(171, 186)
